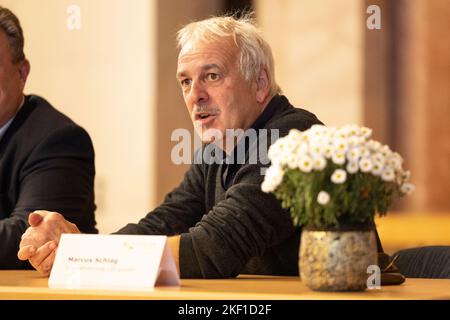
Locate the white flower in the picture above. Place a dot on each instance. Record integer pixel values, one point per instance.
(354, 130)
(366, 132)
(395, 160)
(406, 175)
(323, 197)
(292, 161)
(377, 168)
(352, 167)
(339, 176)
(340, 134)
(315, 146)
(316, 151)
(338, 157)
(385, 150)
(332, 131)
(374, 145)
(326, 140)
(378, 157)
(388, 174)
(316, 131)
(340, 145)
(277, 148)
(402, 176)
(407, 188)
(343, 132)
(353, 154)
(319, 163)
(305, 138)
(273, 177)
(328, 152)
(355, 141)
(274, 154)
(302, 148)
(306, 164)
(365, 152)
(295, 135)
(365, 165)
(267, 187)
(290, 146)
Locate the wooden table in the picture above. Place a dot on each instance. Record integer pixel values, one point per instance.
(30, 285)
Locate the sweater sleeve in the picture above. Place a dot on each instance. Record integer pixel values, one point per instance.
(181, 208)
(239, 227)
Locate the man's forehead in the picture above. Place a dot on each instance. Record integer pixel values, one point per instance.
(206, 56)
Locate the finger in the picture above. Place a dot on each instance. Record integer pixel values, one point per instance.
(42, 253)
(26, 252)
(35, 218)
(33, 238)
(46, 265)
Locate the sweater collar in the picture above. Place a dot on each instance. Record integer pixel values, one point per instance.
(269, 111)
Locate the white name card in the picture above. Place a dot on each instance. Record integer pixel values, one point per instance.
(113, 262)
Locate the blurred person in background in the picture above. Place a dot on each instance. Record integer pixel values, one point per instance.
(46, 160)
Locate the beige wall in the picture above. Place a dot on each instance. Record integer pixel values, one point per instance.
(318, 52)
(103, 77)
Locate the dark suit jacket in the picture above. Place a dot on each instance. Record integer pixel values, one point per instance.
(46, 162)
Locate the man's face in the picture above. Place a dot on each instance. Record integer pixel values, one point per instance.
(214, 90)
(12, 81)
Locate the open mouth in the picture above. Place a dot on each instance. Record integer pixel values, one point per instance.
(204, 117)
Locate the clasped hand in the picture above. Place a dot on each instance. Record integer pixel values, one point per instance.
(40, 241)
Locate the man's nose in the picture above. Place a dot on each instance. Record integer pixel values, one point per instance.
(198, 93)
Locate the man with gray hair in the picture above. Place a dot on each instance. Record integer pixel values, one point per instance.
(46, 160)
(219, 221)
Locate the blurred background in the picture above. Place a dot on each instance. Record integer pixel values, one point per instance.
(110, 65)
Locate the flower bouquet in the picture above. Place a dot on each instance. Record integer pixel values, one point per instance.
(335, 179)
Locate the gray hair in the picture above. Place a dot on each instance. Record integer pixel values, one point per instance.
(10, 25)
(255, 52)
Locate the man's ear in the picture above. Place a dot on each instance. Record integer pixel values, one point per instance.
(262, 86)
(24, 70)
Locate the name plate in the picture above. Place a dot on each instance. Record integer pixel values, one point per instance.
(113, 262)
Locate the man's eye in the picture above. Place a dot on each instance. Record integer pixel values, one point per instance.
(185, 82)
(212, 76)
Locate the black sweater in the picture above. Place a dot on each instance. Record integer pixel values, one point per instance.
(228, 225)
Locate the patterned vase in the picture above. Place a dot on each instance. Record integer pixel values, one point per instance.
(337, 260)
